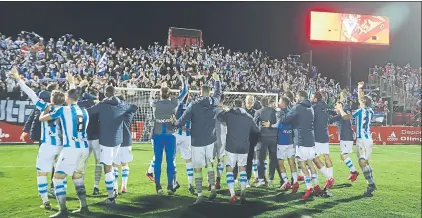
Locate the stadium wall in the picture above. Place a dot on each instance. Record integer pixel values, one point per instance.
(13, 115)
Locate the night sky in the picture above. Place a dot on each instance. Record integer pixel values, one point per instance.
(275, 27)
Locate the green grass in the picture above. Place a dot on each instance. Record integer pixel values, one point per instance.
(397, 172)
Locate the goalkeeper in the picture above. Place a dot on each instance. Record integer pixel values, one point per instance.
(163, 137)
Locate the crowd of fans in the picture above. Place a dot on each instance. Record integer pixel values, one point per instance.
(406, 77)
(42, 62)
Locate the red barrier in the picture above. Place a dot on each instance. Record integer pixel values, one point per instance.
(10, 133)
(387, 135)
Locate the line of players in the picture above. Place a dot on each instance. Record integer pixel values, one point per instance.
(291, 122)
(71, 133)
(292, 131)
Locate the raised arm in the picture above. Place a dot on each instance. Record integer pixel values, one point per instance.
(186, 116)
(217, 88)
(184, 90)
(361, 93)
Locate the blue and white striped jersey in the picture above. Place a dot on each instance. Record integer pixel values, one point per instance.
(363, 118)
(51, 132)
(74, 121)
(186, 129)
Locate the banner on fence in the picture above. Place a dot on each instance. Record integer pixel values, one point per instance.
(13, 115)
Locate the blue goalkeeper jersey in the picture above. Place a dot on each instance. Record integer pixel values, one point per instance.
(285, 131)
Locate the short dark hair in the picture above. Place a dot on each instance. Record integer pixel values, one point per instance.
(206, 89)
(368, 101)
(318, 96)
(285, 100)
(289, 95)
(165, 92)
(110, 91)
(238, 103)
(265, 101)
(51, 87)
(58, 97)
(73, 94)
(303, 94)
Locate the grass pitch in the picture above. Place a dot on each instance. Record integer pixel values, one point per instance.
(397, 172)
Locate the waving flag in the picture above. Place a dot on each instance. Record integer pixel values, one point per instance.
(102, 64)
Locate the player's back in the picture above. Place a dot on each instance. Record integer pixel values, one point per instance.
(163, 110)
(204, 110)
(321, 119)
(363, 118)
(111, 115)
(74, 121)
(303, 124)
(239, 125)
(51, 131)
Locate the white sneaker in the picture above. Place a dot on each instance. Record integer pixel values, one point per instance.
(260, 183)
(247, 184)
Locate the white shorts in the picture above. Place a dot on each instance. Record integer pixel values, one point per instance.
(285, 151)
(322, 148)
(107, 154)
(202, 156)
(72, 160)
(346, 147)
(183, 146)
(124, 155)
(94, 147)
(305, 153)
(47, 157)
(364, 148)
(232, 159)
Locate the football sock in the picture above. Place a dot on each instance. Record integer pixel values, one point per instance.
(308, 182)
(80, 191)
(294, 176)
(60, 192)
(109, 182)
(151, 166)
(198, 183)
(324, 171)
(367, 172)
(125, 175)
(98, 172)
(211, 176)
(349, 163)
(42, 188)
(220, 169)
(243, 180)
(315, 178)
(330, 172)
(230, 182)
(284, 178)
(255, 168)
(189, 172)
(116, 178)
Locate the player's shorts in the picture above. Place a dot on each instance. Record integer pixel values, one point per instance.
(124, 155)
(285, 151)
(220, 147)
(72, 160)
(305, 153)
(364, 148)
(322, 148)
(94, 147)
(107, 154)
(47, 157)
(202, 156)
(346, 147)
(232, 159)
(183, 145)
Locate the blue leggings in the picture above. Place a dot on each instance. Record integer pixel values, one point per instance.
(165, 142)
